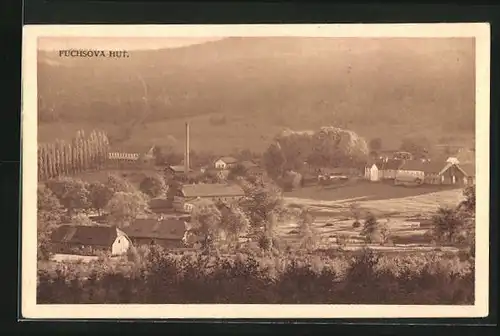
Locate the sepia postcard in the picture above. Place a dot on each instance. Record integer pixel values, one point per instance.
(255, 171)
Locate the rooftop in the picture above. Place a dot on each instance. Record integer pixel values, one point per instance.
(228, 159)
(212, 190)
(178, 169)
(100, 235)
(157, 229)
(427, 167)
(468, 168)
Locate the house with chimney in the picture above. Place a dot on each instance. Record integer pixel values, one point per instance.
(167, 233)
(187, 195)
(89, 240)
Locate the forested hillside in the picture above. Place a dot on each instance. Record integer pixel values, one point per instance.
(248, 88)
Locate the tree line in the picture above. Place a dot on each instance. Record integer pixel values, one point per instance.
(82, 153)
(155, 276)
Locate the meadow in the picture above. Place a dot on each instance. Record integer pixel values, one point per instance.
(406, 211)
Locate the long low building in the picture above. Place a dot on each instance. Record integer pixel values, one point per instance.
(89, 240)
(167, 233)
(189, 194)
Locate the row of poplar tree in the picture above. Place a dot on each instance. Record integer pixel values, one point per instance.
(82, 153)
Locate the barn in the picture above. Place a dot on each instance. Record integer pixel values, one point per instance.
(214, 192)
(89, 240)
(167, 233)
(128, 157)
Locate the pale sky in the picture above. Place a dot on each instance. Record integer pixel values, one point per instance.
(119, 43)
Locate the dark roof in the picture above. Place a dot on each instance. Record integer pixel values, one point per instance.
(228, 159)
(158, 229)
(212, 190)
(435, 166)
(427, 167)
(468, 168)
(159, 203)
(178, 169)
(101, 235)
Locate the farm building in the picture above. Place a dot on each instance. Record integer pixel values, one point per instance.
(382, 169)
(432, 172)
(372, 171)
(89, 240)
(160, 205)
(389, 169)
(411, 170)
(171, 171)
(167, 233)
(469, 170)
(225, 162)
(131, 157)
(214, 192)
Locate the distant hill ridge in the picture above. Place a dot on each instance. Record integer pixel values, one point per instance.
(289, 82)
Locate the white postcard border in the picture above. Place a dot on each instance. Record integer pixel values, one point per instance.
(481, 32)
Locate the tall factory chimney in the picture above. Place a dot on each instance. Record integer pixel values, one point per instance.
(186, 150)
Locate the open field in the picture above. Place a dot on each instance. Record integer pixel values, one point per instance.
(362, 188)
(406, 217)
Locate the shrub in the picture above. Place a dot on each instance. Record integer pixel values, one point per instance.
(170, 278)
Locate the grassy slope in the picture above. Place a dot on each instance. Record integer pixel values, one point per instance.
(389, 203)
(261, 85)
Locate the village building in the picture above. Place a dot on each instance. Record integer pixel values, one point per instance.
(225, 162)
(160, 205)
(384, 169)
(178, 170)
(433, 172)
(337, 172)
(167, 233)
(189, 193)
(411, 170)
(131, 157)
(469, 170)
(389, 169)
(372, 171)
(89, 240)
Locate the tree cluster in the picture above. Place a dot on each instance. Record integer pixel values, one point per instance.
(457, 225)
(166, 278)
(327, 147)
(82, 153)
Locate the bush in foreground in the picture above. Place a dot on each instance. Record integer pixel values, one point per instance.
(157, 277)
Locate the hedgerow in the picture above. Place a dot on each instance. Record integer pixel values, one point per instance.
(161, 277)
